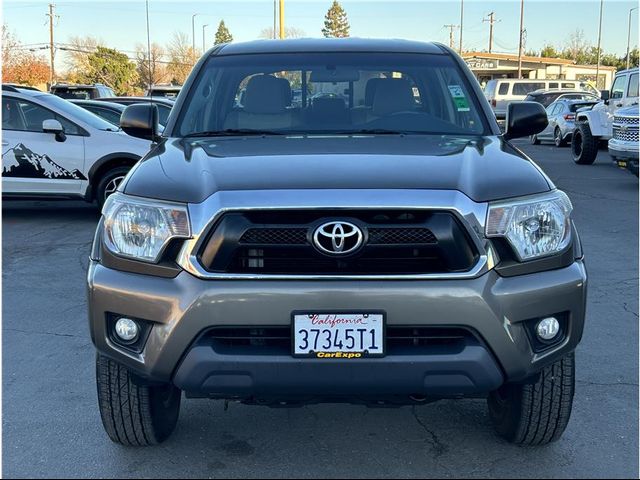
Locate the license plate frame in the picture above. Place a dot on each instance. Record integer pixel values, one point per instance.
(314, 354)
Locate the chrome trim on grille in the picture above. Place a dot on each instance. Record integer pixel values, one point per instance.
(472, 215)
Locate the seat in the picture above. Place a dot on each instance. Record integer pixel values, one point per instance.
(265, 103)
(392, 95)
(329, 111)
(11, 118)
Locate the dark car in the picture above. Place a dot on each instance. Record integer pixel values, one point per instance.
(109, 111)
(82, 92)
(547, 97)
(391, 253)
(164, 105)
(168, 91)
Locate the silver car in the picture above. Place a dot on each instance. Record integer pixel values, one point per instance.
(562, 116)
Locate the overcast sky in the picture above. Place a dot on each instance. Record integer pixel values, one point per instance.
(122, 25)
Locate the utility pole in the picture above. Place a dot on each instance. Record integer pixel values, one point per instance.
(451, 28)
(281, 19)
(461, 23)
(51, 51)
(599, 38)
(629, 35)
(521, 38)
(491, 21)
(275, 18)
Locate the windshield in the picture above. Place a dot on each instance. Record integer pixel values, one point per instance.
(340, 93)
(78, 113)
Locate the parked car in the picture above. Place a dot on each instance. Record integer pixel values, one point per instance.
(386, 255)
(547, 97)
(109, 111)
(500, 92)
(168, 91)
(53, 148)
(82, 92)
(623, 145)
(164, 105)
(562, 116)
(595, 126)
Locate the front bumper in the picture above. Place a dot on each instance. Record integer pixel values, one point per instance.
(495, 308)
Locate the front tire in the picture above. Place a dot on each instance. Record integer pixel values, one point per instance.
(134, 415)
(109, 183)
(558, 139)
(584, 146)
(534, 140)
(536, 413)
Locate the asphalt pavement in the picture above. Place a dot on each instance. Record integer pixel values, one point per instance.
(51, 424)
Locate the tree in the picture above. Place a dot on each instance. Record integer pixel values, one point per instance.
(289, 32)
(109, 66)
(151, 70)
(549, 51)
(223, 35)
(336, 24)
(78, 53)
(19, 65)
(10, 46)
(182, 58)
(28, 69)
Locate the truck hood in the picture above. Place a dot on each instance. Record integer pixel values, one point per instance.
(191, 170)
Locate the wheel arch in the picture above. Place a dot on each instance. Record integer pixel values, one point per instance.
(106, 163)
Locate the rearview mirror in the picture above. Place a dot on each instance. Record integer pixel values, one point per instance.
(524, 119)
(52, 125)
(605, 95)
(140, 120)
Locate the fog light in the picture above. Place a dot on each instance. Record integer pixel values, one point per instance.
(126, 329)
(547, 328)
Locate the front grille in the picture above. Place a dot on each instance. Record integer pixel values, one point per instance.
(625, 134)
(276, 340)
(626, 120)
(395, 242)
(398, 236)
(275, 236)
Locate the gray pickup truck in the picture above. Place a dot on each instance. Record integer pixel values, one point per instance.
(378, 241)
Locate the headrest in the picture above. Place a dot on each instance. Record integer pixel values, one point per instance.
(267, 94)
(392, 95)
(370, 90)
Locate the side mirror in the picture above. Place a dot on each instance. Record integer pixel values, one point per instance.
(52, 125)
(605, 95)
(524, 119)
(140, 120)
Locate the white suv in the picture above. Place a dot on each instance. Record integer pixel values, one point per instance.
(53, 148)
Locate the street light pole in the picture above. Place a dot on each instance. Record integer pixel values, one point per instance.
(599, 38)
(203, 41)
(461, 23)
(193, 31)
(629, 35)
(520, 43)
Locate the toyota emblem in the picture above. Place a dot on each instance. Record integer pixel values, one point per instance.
(338, 238)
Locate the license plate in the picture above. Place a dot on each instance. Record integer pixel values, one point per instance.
(338, 335)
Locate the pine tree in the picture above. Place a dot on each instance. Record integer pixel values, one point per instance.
(223, 35)
(336, 24)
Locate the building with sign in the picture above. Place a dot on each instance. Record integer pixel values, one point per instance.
(487, 66)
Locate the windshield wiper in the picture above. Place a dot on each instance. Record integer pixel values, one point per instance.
(234, 132)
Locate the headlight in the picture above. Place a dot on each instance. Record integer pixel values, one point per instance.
(141, 229)
(535, 226)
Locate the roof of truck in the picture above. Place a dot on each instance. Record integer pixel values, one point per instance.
(351, 44)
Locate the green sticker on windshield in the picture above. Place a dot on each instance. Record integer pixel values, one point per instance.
(459, 98)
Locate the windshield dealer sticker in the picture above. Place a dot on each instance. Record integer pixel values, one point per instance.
(462, 105)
